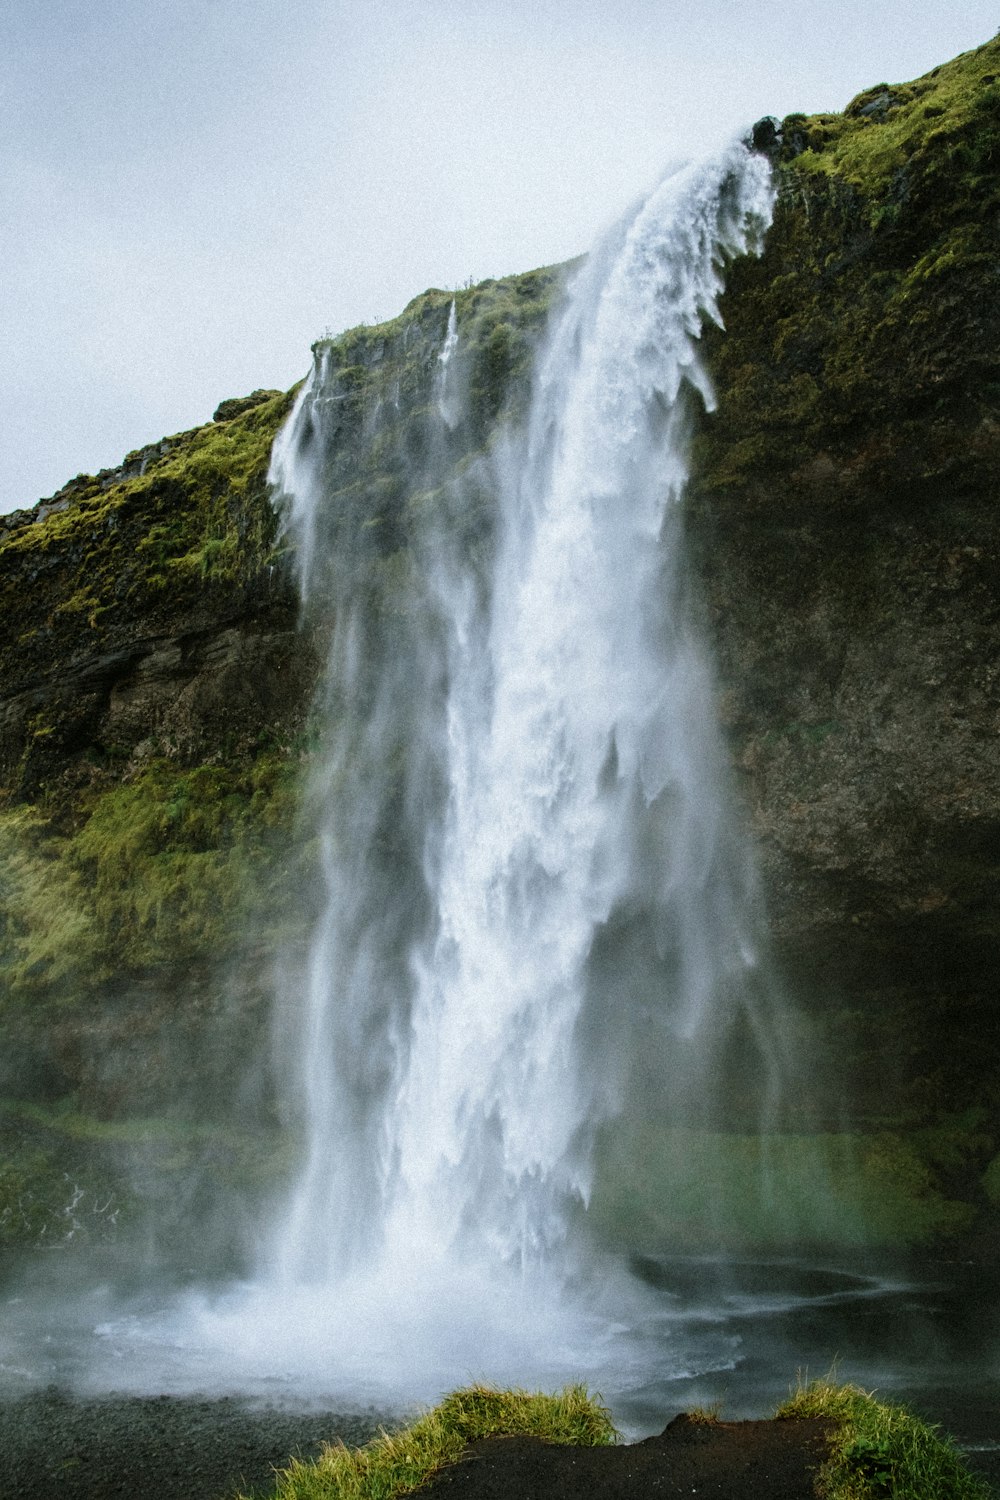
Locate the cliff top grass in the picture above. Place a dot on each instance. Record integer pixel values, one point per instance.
(865, 338)
(398, 1463)
(141, 550)
(949, 114)
(378, 404)
(491, 300)
(880, 1451)
(875, 1451)
(209, 462)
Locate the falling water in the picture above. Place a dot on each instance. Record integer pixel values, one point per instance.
(448, 399)
(538, 911)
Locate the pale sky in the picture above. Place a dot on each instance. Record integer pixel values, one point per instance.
(195, 190)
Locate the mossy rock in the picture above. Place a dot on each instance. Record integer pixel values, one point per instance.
(870, 325)
(182, 533)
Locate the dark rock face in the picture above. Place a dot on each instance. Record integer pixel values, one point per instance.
(858, 656)
(183, 695)
(844, 517)
(765, 137)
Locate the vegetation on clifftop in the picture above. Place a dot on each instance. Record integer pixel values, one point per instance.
(384, 391)
(880, 1451)
(873, 313)
(179, 525)
(397, 1463)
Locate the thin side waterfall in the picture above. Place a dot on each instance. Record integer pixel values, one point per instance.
(532, 876)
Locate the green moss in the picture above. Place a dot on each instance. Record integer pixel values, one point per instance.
(177, 861)
(868, 329)
(180, 527)
(169, 865)
(943, 124)
(48, 940)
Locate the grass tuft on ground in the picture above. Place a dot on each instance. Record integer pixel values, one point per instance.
(396, 1463)
(881, 1452)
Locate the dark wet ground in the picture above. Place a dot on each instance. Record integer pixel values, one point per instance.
(716, 1461)
(55, 1447)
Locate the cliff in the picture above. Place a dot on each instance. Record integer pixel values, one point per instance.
(844, 510)
(155, 677)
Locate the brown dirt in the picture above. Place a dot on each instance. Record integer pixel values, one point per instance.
(712, 1460)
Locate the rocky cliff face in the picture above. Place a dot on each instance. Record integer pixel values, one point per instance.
(845, 515)
(155, 676)
(147, 610)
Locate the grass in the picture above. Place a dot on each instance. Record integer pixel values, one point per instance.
(169, 862)
(876, 1451)
(948, 111)
(396, 1463)
(881, 1452)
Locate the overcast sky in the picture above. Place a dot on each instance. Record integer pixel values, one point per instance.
(194, 190)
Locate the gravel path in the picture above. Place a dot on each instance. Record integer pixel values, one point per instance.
(55, 1447)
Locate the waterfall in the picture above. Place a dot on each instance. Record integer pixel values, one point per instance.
(448, 401)
(537, 912)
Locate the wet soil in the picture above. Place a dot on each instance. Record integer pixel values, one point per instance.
(720, 1460)
(57, 1447)
(54, 1446)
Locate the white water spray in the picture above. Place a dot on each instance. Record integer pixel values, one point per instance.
(565, 894)
(448, 398)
